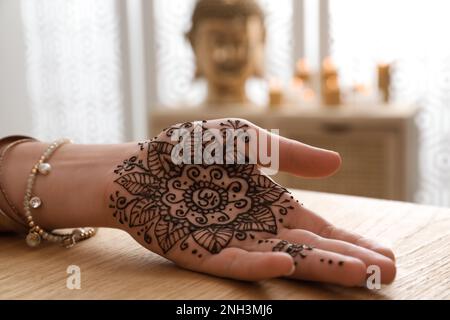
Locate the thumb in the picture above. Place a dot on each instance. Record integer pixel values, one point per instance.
(301, 159)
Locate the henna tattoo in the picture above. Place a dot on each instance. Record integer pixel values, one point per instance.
(209, 204)
(330, 262)
(293, 250)
(234, 124)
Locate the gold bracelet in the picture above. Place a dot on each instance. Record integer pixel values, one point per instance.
(36, 233)
(16, 216)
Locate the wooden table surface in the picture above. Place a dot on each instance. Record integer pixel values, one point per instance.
(114, 266)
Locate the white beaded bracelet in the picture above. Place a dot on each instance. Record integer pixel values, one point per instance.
(36, 233)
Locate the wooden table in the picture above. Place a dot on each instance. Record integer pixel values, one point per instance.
(114, 266)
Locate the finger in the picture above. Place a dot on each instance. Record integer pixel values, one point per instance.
(369, 257)
(303, 218)
(243, 265)
(314, 264)
(307, 161)
(301, 159)
(333, 232)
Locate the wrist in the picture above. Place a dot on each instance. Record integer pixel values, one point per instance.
(112, 196)
(74, 193)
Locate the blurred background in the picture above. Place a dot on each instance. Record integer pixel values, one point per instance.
(367, 78)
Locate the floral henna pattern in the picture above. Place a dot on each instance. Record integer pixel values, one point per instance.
(210, 204)
(208, 195)
(292, 249)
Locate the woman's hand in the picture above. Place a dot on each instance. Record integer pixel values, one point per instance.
(232, 220)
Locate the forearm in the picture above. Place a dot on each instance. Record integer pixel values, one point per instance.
(74, 194)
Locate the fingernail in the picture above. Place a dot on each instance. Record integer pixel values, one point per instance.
(291, 272)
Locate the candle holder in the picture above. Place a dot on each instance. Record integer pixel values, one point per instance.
(275, 93)
(331, 93)
(384, 81)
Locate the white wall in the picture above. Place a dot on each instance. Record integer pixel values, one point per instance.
(14, 115)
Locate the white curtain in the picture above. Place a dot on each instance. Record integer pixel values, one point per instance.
(74, 69)
(414, 35)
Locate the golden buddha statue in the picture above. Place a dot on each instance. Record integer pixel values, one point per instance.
(228, 40)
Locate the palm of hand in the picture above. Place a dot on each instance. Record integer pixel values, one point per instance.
(229, 220)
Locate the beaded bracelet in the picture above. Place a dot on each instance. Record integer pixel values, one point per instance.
(36, 233)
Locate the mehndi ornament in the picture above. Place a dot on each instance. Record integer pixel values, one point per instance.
(32, 202)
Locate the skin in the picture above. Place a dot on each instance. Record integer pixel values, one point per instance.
(91, 173)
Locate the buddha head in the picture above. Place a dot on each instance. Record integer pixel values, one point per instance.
(228, 39)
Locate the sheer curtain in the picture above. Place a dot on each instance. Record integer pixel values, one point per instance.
(74, 69)
(413, 35)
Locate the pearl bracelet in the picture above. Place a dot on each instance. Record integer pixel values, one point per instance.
(36, 233)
